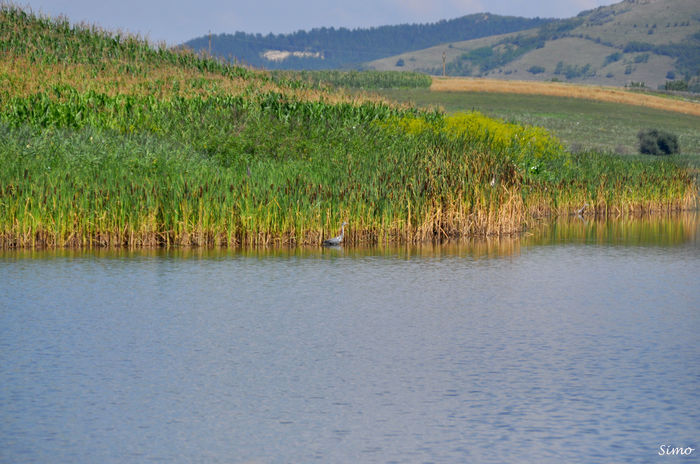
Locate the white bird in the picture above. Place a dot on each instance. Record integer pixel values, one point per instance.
(335, 241)
(580, 211)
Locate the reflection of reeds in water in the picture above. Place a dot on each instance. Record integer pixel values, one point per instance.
(485, 247)
(475, 248)
(653, 230)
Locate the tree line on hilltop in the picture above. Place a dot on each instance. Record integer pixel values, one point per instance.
(348, 48)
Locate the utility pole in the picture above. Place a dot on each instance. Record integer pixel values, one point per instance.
(444, 56)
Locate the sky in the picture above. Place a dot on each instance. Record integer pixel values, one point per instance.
(176, 21)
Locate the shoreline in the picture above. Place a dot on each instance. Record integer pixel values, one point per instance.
(436, 233)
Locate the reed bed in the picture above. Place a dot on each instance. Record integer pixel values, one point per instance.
(163, 148)
(558, 89)
(88, 187)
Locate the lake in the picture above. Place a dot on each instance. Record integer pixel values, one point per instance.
(578, 342)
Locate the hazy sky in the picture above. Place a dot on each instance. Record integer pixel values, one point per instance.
(176, 21)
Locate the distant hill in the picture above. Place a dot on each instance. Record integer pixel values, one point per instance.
(330, 48)
(635, 42)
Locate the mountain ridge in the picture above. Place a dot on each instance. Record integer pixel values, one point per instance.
(331, 48)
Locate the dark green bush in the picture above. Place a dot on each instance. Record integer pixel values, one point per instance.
(657, 142)
(676, 85)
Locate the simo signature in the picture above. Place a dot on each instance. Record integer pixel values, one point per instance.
(667, 450)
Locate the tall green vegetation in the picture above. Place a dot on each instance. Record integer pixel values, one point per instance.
(367, 80)
(43, 41)
(112, 142)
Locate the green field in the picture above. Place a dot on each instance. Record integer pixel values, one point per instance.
(579, 124)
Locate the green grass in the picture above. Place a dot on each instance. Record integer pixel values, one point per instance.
(579, 124)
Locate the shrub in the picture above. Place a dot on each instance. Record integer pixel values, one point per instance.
(657, 142)
(633, 47)
(574, 71)
(676, 85)
(536, 69)
(612, 58)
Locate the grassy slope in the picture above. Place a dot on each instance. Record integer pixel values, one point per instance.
(579, 123)
(431, 58)
(631, 22)
(106, 141)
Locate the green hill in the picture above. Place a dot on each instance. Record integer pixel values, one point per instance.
(331, 48)
(106, 140)
(635, 41)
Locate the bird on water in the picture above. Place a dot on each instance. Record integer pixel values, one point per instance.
(335, 241)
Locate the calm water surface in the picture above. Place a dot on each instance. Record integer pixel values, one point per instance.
(577, 344)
